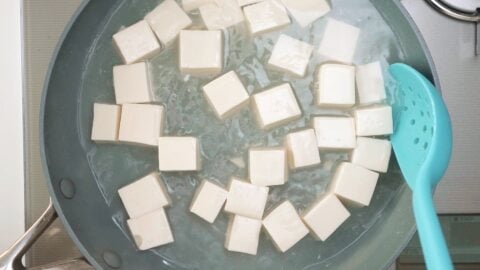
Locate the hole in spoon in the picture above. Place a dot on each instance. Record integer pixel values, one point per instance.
(425, 145)
(425, 128)
(416, 141)
(412, 122)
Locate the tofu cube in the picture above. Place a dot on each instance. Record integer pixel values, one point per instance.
(208, 201)
(285, 226)
(276, 106)
(354, 185)
(370, 83)
(151, 230)
(226, 94)
(335, 132)
(339, 41)
(247, 2)
(325, 216)
(306, 12)
(266, 16)
(144, 195)
(221, 15)
(189, 5)
(268, 166)
(132, 83)
(166, 21)
(106, 122)
(374, 120)
(201, 52)
(243, 234)
(246, 199)
(136, 43)
(141, 124)
(178, 154)
(372, 154)
(290, 55)
(302, 149)
(335, 86)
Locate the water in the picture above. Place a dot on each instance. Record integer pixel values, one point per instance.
(199, 245)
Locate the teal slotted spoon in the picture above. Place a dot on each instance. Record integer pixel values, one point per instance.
(422, 142)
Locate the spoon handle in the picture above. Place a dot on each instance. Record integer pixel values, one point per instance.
(434, 247)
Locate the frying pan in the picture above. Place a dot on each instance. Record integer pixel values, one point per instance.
(89, 216)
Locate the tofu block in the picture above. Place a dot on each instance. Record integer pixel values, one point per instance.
(106, 122)
(285, 226)
(132, 83)
(151, 230)
(268, 166)
(178, 154)
(201, 52)
(372, 154)
(370, 83)
(335, 132)
(226, 94)
(335, 86)
(325, 216)
(243, 234)
(339, 41)
(136, 43)
(208, 201)
(374, 120)
(221, 15)
(247, 2)
(144, 195)
(246, 199)
(189, 5)
(302, 149)
(166, 21)
(141, 124)
(354, 185)
(265, 17)
(290, 55)
(306, 12)
(276, 106)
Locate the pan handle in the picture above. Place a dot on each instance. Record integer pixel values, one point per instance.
(455, 13)
(11, 259)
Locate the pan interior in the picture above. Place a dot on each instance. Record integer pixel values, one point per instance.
(199, 245)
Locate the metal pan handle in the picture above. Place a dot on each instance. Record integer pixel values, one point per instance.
(11, 259)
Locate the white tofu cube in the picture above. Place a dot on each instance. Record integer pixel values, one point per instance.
(208, 201)
(339, 41)
(106, 122)
(246, 199)
(325, 216)
(201, 52)
(247, 2)
(374, 120)
(335, 132)
(335, 86)
(276, 106)
(221, 15)
(189, 5)
(132, 83)
(166, 21)
(372, 154)
(265, 17)
(226, 94)
(151, 230)
(178, 154)
(243, 234)
(268, 166)
(290, 55)
(136, 43)
(141, 124)
(370, 83)
(144, 195)
(302, 149)
(306, 12)
(285, 226)
(354, 184)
